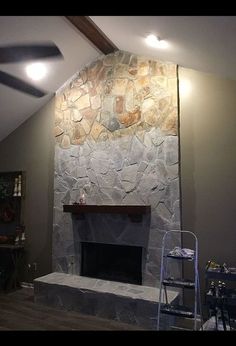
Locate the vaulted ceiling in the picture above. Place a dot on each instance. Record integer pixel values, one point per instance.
(204, 43)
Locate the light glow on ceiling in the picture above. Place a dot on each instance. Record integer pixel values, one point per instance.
(36, 71)
(155, 42)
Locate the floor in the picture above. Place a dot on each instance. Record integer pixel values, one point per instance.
(19, 312)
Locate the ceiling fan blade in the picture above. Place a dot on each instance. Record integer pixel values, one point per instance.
(20, 85)
(17, 53)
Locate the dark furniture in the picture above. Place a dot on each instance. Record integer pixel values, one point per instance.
(220, 302)
(11, 258)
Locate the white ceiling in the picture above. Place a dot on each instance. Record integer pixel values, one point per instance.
(16, 107)
(203, 43)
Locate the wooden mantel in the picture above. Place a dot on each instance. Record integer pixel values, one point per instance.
(135, 212)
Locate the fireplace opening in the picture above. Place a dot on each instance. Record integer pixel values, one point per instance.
(120, 263)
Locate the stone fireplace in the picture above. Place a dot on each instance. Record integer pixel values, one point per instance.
(116, 131)
(111, 232)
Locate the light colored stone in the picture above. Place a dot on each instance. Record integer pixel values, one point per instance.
(129, 173)
(171, 150)
(64, 105)
(76, 115)
(58, 101)
(132, 198)
(96, 130)
(89, 114)
(143, 68)
(130, 103)
(172, 86)
(78, 131)
(121, 71)
(141, 83)
(147, 183)
(65, 143)
(100, 166)
(86, 126)
(93, 70)
(163, 211)
(58, 117)
(107, 87)
(170, 124)
(96, 102)
(130, 118)
(159, 81)
(170, 70)
(107, 104)
(119, 87)
(133, 66)
(109, 60)
(147, 104)
(151, 116)
(74, 94)
(147, 140)
(67, 114)
(92, 176)
(136, 151)
(172, 171)
(164, 103)
(83, 102)
(117, 159)
(58, 131)
(142, 166)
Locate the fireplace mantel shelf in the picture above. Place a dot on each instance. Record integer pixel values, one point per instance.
(135, 212)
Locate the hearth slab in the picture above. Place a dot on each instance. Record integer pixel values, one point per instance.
(123, 302)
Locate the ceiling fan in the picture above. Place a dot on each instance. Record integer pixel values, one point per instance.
(18, 53)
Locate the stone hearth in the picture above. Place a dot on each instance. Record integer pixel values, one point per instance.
(122, 302)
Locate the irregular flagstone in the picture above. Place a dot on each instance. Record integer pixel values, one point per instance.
(116, 131)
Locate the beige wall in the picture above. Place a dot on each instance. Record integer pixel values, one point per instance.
(208, 164)
(30, 148)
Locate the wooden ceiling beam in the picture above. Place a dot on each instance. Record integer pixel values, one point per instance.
(92, 32)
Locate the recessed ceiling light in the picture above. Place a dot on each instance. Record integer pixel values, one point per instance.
(155, 42)
(36, 71)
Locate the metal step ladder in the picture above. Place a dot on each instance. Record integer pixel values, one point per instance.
(179, 254)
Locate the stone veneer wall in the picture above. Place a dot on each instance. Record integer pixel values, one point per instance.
(116, 131)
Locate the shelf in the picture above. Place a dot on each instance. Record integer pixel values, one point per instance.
(11, 246)
(135, 212)
(179, 283)
(211, 274)
(187, 258)
(177, 310)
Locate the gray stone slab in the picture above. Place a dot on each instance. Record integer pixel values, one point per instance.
(135, 304)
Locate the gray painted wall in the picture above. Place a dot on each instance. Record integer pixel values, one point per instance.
(30, 148)
(208, 164)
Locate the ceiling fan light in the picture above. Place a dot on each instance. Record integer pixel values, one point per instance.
(155, 42)
(36, 71)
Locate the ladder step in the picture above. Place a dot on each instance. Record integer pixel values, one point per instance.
(179, 283)
(188, 258)
(177, 310)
